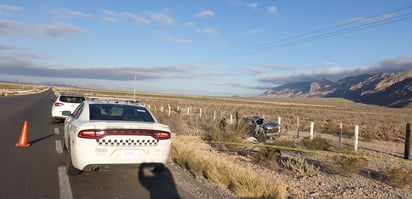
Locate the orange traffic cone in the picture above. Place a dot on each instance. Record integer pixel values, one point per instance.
(24, 137)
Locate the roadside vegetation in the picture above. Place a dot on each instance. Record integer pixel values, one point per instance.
(12, 89)
(223, 155)
(226, 172)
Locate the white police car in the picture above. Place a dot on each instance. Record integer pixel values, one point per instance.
(110, 135)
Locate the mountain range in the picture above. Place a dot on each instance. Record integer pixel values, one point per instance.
(383, 89)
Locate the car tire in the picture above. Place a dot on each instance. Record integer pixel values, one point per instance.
(261, 135)
(158, 169)
(71, 170)
(65, 148)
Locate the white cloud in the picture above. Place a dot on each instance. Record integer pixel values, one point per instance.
(273, 9)
(398, 64)
(189, 24)
(162, 18)
(252, 5)
(11, 28)
(205, 13)
(110, 16)
(59, 29)
(6, 9)
(210, 31)
(158, 17)
(136, 18)
(64, 12)
(281, 67)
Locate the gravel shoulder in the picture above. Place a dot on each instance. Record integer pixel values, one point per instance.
(191, 187)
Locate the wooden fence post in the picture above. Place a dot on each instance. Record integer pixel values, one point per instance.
(408, 141)
(297, 126)
(214, 115)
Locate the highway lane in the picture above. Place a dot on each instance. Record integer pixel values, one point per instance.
(28, 172)
(38, 171)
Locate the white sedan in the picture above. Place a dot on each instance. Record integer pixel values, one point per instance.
(104, 136)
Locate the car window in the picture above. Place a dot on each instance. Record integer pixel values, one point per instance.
(119, 112)
(76, 113)
(72, 99)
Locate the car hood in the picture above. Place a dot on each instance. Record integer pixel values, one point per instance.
(270, 125)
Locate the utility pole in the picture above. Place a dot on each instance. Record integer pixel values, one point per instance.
(134, 90)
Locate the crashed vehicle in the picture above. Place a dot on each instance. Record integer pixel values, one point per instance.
(262, 129)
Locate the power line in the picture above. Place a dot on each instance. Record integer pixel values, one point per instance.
(329, 34)
(348, 27)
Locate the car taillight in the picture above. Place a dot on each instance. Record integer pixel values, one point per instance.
(162, 135)
(58, 104)
(98, 133)
(91, 134)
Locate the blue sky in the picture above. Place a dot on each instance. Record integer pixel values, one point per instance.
(201, 47)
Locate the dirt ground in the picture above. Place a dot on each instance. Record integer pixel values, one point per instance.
(367, 183)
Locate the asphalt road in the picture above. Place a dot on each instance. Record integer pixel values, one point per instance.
(39, 170)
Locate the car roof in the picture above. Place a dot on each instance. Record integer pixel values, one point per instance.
(71, 94)
(254, 117)
(111, 102)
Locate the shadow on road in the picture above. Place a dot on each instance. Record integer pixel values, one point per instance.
(160, 184)
(40, 139)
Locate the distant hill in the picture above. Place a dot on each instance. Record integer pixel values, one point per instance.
(383, 89)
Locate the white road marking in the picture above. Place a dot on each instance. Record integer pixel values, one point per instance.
(64, 183)
(56, 131)
(59, 146)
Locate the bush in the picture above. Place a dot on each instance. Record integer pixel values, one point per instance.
(231, 134)
(399, 177)
(347, 165)
(316, 143)
(300, 166)
(285, 143)
(266, 156)
(174, 121)
(331, 127)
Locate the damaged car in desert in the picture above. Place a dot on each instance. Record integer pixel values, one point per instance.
(262, 129)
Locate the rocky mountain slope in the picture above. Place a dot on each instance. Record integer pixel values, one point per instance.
(384, 89)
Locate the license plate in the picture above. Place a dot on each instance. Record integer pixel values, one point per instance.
(128, 154)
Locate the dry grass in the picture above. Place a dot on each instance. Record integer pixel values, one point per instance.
(346, 165)
(399, 177)
(300, 166)
(12, 89)
(243, 181)
(317, 143)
